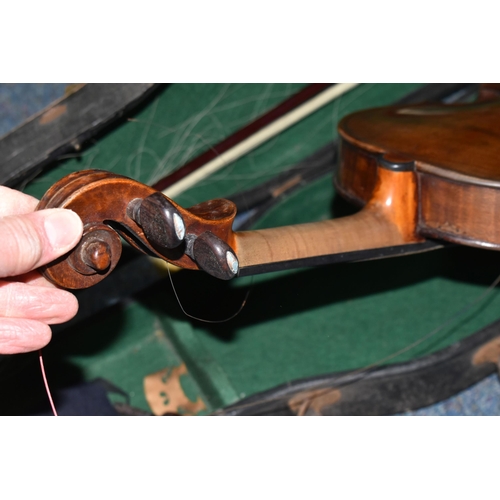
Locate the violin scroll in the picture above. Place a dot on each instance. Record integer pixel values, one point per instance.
(112, 207)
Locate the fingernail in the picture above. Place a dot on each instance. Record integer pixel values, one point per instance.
(63, 228)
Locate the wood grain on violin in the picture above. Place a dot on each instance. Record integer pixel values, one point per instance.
(109, 206)
(455, 150)
(388, 219)
(419, 171)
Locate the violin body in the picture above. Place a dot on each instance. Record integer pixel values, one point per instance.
(454, 153)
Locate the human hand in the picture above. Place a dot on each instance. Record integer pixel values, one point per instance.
(28, 240)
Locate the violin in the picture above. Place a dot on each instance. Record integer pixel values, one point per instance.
(423, 175)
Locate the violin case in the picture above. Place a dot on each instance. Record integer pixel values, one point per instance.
(378, 337)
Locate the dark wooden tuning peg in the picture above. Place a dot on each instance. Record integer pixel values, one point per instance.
(161, 222)
(215, 256)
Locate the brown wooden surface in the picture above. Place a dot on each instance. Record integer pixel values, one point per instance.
(456, 151)
(388, 219)
(101, 200)
(453, 139)
(356, 174)
(462, 213)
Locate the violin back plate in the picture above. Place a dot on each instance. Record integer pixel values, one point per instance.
(455, 151)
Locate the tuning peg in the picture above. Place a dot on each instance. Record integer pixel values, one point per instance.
(215, 256)
(161, 222)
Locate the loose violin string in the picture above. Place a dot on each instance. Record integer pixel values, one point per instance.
(40, 357)
(338, 383)
(207, 320)
(46, 383)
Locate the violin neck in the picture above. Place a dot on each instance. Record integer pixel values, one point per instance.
(388, 221)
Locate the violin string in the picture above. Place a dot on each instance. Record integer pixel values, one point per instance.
(201, 319)
(46, 383)
(338, 383)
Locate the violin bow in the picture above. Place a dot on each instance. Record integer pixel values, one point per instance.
(284, 115)
(289, 112)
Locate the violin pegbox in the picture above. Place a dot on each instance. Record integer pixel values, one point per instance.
(112, 207)
(165, 229)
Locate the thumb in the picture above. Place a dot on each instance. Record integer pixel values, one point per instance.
(32, 240)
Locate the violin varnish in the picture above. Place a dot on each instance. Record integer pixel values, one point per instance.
(389, 219)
